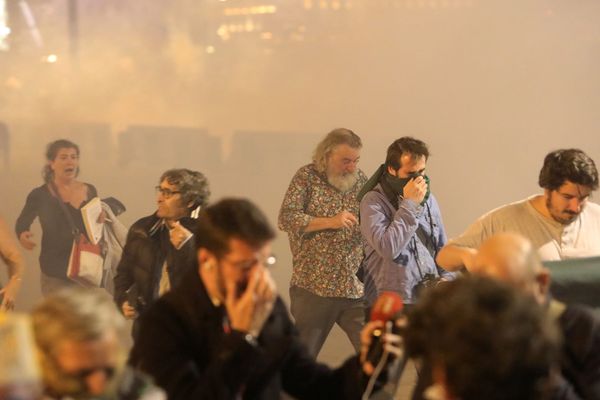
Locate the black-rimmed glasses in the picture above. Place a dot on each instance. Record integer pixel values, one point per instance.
(167, 193)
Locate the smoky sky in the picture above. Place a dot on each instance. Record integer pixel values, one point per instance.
(145, 85)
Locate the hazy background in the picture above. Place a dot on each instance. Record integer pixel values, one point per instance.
(243, 90)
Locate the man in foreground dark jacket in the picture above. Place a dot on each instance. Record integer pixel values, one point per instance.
(225, 334)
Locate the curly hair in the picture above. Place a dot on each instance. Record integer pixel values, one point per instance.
(571, 165)
(492, 341)
(193, 186)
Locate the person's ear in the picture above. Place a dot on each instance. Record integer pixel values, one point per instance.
(391, 170)
(206, 259)
(201, 256)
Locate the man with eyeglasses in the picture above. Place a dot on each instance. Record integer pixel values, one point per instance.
(561, 222)
(79, 336)
(159, 248)
(224, 333)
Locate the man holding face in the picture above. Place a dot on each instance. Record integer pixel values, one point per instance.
(401, 223)
(223, 333)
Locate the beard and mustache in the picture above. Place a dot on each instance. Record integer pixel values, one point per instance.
(342, 182)
(564, 216)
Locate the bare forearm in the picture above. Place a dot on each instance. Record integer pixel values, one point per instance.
(319, 224)
(16, 269)
(10, 253)
(14, 261)
(454, 258)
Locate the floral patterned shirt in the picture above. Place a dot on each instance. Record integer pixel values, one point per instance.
(325, 262)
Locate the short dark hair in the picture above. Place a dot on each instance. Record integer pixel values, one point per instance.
(52, 150)
(492, 341)
(405, 145)
(193, 186)
(228, 219)
(571, 165)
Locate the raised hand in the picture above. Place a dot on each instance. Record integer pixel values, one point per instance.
(242, 308)
(416, 189)
(178, 234)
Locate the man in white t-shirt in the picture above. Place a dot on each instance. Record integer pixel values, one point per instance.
(561, 223)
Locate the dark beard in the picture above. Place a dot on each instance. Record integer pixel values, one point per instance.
(558, 219)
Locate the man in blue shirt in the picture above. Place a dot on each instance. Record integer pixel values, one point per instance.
(401, 224)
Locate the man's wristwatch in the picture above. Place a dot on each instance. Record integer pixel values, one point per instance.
(251, 340)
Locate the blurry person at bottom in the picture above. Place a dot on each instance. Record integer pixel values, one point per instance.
(512, 258)
(19, 370)
(79, 335)
(497, 343)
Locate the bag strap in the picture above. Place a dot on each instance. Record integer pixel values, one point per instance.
(74, 229)
(393, 198)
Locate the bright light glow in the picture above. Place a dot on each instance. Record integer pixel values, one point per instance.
(4, 29)
(223, 32)
(210, 49)
(262, 9)
(270, 260)
(50, 58)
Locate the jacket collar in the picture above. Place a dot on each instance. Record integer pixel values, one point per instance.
(192, 298)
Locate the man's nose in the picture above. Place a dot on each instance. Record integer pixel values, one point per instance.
(575, 205)
(351, 167)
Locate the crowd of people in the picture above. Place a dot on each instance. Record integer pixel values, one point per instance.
(477, 321)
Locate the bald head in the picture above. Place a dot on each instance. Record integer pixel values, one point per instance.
(511, 258)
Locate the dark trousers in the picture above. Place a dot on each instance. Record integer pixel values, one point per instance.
(315, 316)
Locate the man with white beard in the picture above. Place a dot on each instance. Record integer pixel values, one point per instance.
(320, 215)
